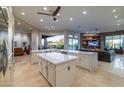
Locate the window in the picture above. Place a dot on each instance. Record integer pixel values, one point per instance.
(108, 42)
(114, 42)
(56, 42)
(73, 42)
(122, 41)
(70, 43)
(70, 36)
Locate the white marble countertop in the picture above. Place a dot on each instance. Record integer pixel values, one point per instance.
(57, 58)
(79, 52)
(44, 50)
(69, 51)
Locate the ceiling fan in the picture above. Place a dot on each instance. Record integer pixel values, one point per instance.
(52, 13)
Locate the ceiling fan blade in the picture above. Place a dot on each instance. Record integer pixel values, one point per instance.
(43, 13)
(56, 11)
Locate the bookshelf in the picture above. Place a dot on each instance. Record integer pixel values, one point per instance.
(94, 40)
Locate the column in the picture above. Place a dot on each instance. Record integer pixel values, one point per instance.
(10, 29)
(66, 42)
(34, 40)
(39, 40)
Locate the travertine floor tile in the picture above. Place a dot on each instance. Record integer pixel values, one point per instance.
(108, 74)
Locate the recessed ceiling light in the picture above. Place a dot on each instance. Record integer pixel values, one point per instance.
(70, 19)
(18, 23)
(84, 12)
(49, 29)
(46, 27)
(41, 20)
(116, 17)
(45, 8)
(58, 14)
(114, 10)
(52, 27)
(23, 13)
(57, 20)
(118, 24)
(30, 28)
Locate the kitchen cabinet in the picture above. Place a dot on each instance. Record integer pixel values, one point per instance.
(58, 69)
(40, 65)
(52, 74)
(45, 68)
(34, 59)
(87, 60)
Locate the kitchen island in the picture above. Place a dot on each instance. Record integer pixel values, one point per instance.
(88, 60)
(58, 69)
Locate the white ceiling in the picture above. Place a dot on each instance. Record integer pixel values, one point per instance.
(100, 17)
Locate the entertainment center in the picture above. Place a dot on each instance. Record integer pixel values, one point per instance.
(91, 41)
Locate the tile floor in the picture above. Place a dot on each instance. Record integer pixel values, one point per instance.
(108, 74)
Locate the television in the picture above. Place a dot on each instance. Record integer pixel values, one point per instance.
(93, 43)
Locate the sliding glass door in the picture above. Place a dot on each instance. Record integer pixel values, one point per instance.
(108, 42)
(122, 41)
(114, 42)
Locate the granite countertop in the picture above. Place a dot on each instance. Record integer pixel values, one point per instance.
(57, 58)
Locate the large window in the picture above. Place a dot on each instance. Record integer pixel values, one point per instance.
(73, 41)
(108, 42)
(114, 42)
(56, 42)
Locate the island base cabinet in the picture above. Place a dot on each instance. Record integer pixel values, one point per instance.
(34, 58)
(88, 62)
(61, 75)
(40, 65)
(65, 74)
(45, 68)
(51, 74)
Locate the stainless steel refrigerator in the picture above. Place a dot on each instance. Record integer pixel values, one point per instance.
(6, 72)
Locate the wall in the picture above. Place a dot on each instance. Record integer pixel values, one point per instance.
(22, 37)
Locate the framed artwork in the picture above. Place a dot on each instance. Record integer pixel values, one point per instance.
(15, 44)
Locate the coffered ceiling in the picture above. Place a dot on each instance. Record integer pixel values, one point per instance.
(73, 18)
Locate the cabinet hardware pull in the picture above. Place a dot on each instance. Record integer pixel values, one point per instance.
(68, 67)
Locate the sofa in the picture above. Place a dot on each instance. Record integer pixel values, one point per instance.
(18, 52)
(119, 51)
(107, 56)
